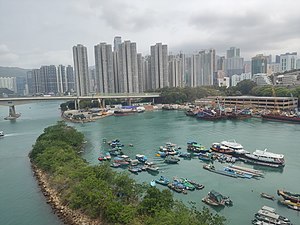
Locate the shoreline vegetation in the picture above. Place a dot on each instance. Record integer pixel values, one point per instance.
(80, 193)
(66, 215)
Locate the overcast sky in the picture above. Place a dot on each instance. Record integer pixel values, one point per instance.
(42, 32)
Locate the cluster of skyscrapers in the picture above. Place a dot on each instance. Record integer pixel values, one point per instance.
(50, 80)
(121, 69)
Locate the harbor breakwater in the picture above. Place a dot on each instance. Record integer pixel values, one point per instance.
(66, 215)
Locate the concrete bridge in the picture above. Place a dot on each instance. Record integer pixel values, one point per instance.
(12, 102)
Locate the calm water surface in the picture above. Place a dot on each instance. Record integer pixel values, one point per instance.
(24, 204)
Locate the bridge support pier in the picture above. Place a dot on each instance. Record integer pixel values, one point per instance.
(129, 101)
(12, 111)
(77, 104)
(12, 115)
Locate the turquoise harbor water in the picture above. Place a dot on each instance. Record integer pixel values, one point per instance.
(24, 204)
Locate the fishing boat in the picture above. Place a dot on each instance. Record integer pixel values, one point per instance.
(222, 158)
(121, 161)
(135, 169)
(185, 155)
(293, 197)
(162, 180)
(240, 174)
(217, 199)
(268, 215)
(208, 201)
(254, 172)
(258, 222)
(195, 147)
(294, 207)
(290, 204)
(152, 183)
(115, 165)
(166, 150)
(281, 117)
(152, 169)
(187, 185)
(176, 186)
(265, 158)
(197, 185)
(239, 114)
(209, 114)
(211, 168)
(207, 157)
(1, 134)
(191, 112)
(141, 158)
(267, 196)
(171, 160)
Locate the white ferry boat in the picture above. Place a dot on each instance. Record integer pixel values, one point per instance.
(237, 148)
(262, 157)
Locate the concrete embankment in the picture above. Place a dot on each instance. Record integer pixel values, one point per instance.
(67, 215)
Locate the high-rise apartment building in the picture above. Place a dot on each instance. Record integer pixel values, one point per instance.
(207, 67)
(288, 61)
(189, 72)
(48, 76)
(117, 43)
(62, 84)
(9, 83)
(128, 68)
(147, 71)
(220, 62)
(259, 64)
(233, 52)
(159, 66)
(233, 64)
(81, 69)
(70, 79)
(105, 82)
(298, 64)
(141, 72)
(176, 69)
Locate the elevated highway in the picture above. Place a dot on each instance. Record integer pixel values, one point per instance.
(12, 102)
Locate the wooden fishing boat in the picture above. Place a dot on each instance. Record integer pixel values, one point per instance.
(267, 196)
(293, 197)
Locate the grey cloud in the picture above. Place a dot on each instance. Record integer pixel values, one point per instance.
(39, 31)
(6, 56)
(250, 30)
(123, 15)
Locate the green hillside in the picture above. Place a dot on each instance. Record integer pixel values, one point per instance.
(12, 72)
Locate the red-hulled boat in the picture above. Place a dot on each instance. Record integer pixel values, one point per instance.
(281, 117)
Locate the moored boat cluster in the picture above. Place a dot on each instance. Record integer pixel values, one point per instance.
(228, 152)
(179, 185)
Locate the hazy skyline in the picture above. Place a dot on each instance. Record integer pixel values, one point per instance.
(40, 32)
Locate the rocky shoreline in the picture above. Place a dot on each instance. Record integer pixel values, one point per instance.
(66, 215)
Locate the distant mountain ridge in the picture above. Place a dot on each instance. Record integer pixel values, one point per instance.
(12, 72)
